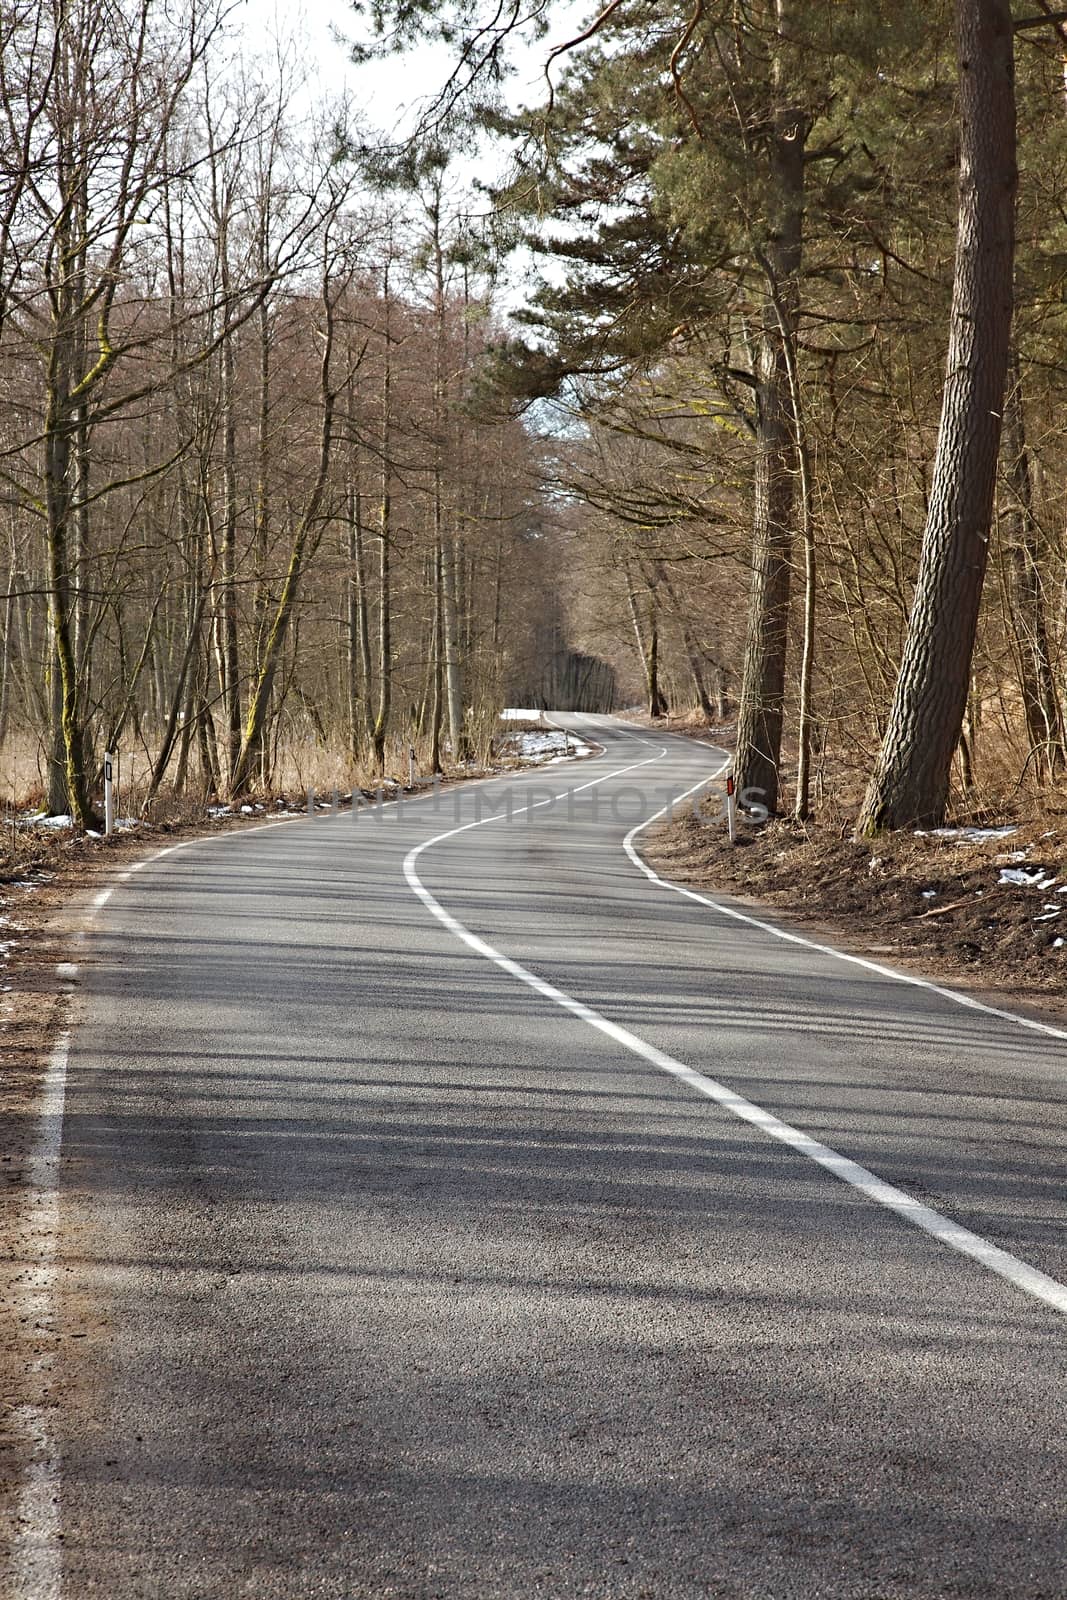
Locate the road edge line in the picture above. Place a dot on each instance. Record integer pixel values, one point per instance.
(1030, 1280)
(956, 996)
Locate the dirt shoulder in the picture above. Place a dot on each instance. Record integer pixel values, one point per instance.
(983, 909)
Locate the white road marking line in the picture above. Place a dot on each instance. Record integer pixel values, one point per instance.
(1031, 1280)
(957, 997)
(36, 1555)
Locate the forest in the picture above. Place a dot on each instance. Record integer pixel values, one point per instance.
(738, 393)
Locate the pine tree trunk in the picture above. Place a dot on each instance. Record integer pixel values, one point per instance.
(759, 719)
(910, 782)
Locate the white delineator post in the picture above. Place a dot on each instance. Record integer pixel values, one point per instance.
(411, 766)
(731, 809)
(109, 794)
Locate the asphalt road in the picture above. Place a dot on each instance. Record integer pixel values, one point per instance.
(385, 1274)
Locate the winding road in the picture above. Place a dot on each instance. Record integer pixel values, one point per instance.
(448, 1208)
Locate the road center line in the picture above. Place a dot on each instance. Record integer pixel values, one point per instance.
(1031, 1280)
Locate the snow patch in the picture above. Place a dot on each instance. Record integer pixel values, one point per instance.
(1026, 877)
(535, 746)
(970, 835)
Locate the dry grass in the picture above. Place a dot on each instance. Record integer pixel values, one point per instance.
(300, 764)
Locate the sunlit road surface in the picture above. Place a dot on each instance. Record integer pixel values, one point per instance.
(403, 1252)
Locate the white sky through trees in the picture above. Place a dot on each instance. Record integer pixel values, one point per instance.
(388, 93)
(386, 97)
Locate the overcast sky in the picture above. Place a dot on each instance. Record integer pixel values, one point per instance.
(390, 92)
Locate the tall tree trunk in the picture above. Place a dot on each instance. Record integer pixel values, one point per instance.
(359, 668)
(437, 704)
(57, 801)
(228, 650)
(446, 544)
(911, 778)
(648, 652)
(68, 738)
(5, 657)
(1041, 706)
(385, 535)
(759, 719)
(453, 668)
(802, 802)
(263, 507)
(657, 703)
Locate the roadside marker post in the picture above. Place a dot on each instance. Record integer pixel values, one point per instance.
(411, 766)
(731, 810)
(109, 795)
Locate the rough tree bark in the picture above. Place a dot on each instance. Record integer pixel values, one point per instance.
(910, 781)
(759, 717)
